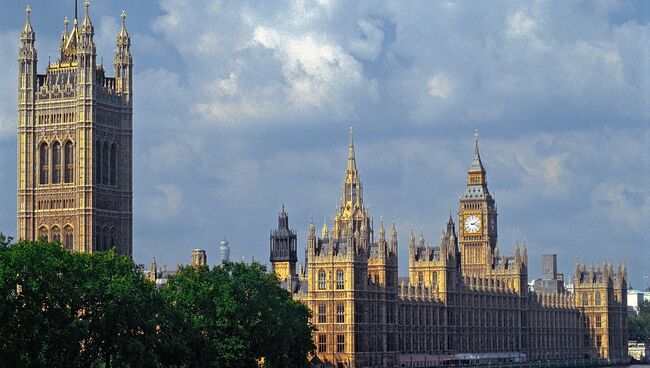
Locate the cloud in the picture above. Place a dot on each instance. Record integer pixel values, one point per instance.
(9, 44)
(163, 203)
(441, 86)
(623, 204)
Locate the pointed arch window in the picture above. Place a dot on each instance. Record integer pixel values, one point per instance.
(56, 234)
(340, 280)
(68, 153)
(68, 237)
(420, 279)
(98, 162)
(434, 280)
(585, 299)
(105, 164)
(56, 163)
(113, 164)
(42, 233)
(105, 241)
(98, 239)
(597, 299)
(111, 242)
(321, 280)
(43, 163)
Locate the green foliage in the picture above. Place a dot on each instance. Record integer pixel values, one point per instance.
(70, 309)
(65, 309)
(237, 314)
(5, 241)
(639, 326)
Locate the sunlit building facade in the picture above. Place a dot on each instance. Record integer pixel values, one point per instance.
(463, 297)
(75, 142)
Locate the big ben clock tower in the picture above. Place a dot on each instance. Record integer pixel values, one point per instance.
(477, 218)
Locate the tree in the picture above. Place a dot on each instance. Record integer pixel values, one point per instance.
(233, 315)
(5, 241)
(121, 312)
(65, 309)
(639, 326)
(41, 300)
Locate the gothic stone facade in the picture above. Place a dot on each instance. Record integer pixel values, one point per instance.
(461, 295)
(75, 143)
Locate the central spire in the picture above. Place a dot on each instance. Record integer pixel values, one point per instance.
(351, 184)
(351, 207)
(352, 164)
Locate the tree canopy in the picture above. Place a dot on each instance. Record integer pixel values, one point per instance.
(67, 309)
(639, 326)
(237, 314)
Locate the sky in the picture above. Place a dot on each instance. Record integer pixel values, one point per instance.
(243, 106)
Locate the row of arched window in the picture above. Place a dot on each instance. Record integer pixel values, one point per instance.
(65, 237)
(106, 163)
(596, 300)
(105, 238)
(322, 280)
(56, 163)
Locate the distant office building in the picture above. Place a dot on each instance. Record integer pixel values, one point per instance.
(634, 300)
(224, 252)
(551, 281)
(549, 266)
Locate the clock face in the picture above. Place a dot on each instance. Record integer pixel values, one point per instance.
(472, 224)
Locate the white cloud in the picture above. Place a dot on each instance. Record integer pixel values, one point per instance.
(318, 72)
(441, 86)
(623, 204)
(163, 203)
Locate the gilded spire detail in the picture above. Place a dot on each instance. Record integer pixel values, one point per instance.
(28, 20)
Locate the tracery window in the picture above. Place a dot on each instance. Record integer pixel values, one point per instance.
(111, 242)
(113, 164)
(69, 237)
(597, 299)
(56, 234)
(42, 232)
(340, 343)
(340, 313)
(44, 167)
(585, 299)
(598, 321)
(322, 313)
(322, 343)
(434, 280)
(69, 162)
(340, 280)
(106, 245)
(420, 278)
(98, 239)
(321, 280)
(105, 164)
(98, 162)
(56, 163)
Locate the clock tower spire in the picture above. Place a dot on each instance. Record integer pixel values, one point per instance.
(477, 218)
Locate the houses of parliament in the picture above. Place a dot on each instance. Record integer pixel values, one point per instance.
(75, 142)
(463, 298)
(462, 295)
